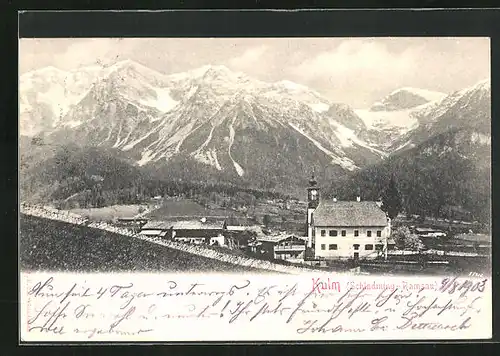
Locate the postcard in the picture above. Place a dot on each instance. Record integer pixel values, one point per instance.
(254, 189)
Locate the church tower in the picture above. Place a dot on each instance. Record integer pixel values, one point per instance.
(312, 204)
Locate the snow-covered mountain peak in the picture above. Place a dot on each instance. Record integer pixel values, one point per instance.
(396, 112)
(429, 95)
(475, 93)
(406, 98)
(225, 83)
(469, 108)
(131, 69)
(484, 85)
(289, 85)
(128, 64)
(207, 72)
(50, 68)
(45, 71)
(215, 69)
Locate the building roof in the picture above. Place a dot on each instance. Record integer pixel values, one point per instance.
(199, 233)
(279, 238)
(183, 225)
(474, 237)
(152, 232)
(132, 219)
(237, 221)
(349, 213)
(427, 229)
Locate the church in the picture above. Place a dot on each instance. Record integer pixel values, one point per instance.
(346, 229)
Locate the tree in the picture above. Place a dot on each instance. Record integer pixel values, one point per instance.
(391, 199)
(266, 220)
(405, 240)
(242, 239)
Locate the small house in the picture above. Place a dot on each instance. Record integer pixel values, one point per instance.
(190, 231)
(281, 247)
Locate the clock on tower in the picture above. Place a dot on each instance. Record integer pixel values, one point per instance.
(313, 193)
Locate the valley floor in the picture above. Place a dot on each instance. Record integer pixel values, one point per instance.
(111, 212)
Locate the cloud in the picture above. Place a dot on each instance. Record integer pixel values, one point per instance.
(249, 58)
(71, 53)
(357, 57)
(356, 71)
(90, 51)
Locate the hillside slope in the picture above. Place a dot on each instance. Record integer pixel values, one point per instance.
(450, 169)
(49, 245)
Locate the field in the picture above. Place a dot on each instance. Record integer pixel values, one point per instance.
(47, 245)
(453, 227)
(186, 207)
(110, 212)
(458, 266)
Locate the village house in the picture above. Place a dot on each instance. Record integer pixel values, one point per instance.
(132, 224)
(240, 224)
(280, 247)
(424, 232)
(346, 229)
(190, 231)
(240, 231)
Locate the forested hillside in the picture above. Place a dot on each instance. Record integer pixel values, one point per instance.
(73, 176)
(450, 171)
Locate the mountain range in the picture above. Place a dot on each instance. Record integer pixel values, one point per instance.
(212, 123)
(231, 124)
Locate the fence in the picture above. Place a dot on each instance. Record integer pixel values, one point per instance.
(435, 252)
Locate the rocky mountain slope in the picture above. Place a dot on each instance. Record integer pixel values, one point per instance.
(466, 108)
(452, 169)
(409, 116)
(223, 122)
(406, 98)
(214, 125)
(442, 161)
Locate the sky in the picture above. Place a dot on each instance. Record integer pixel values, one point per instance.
(355, 71)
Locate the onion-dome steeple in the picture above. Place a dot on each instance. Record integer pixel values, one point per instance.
(313, 193)
(312, 181)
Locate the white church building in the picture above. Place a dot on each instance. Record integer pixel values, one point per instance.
(346, 229)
